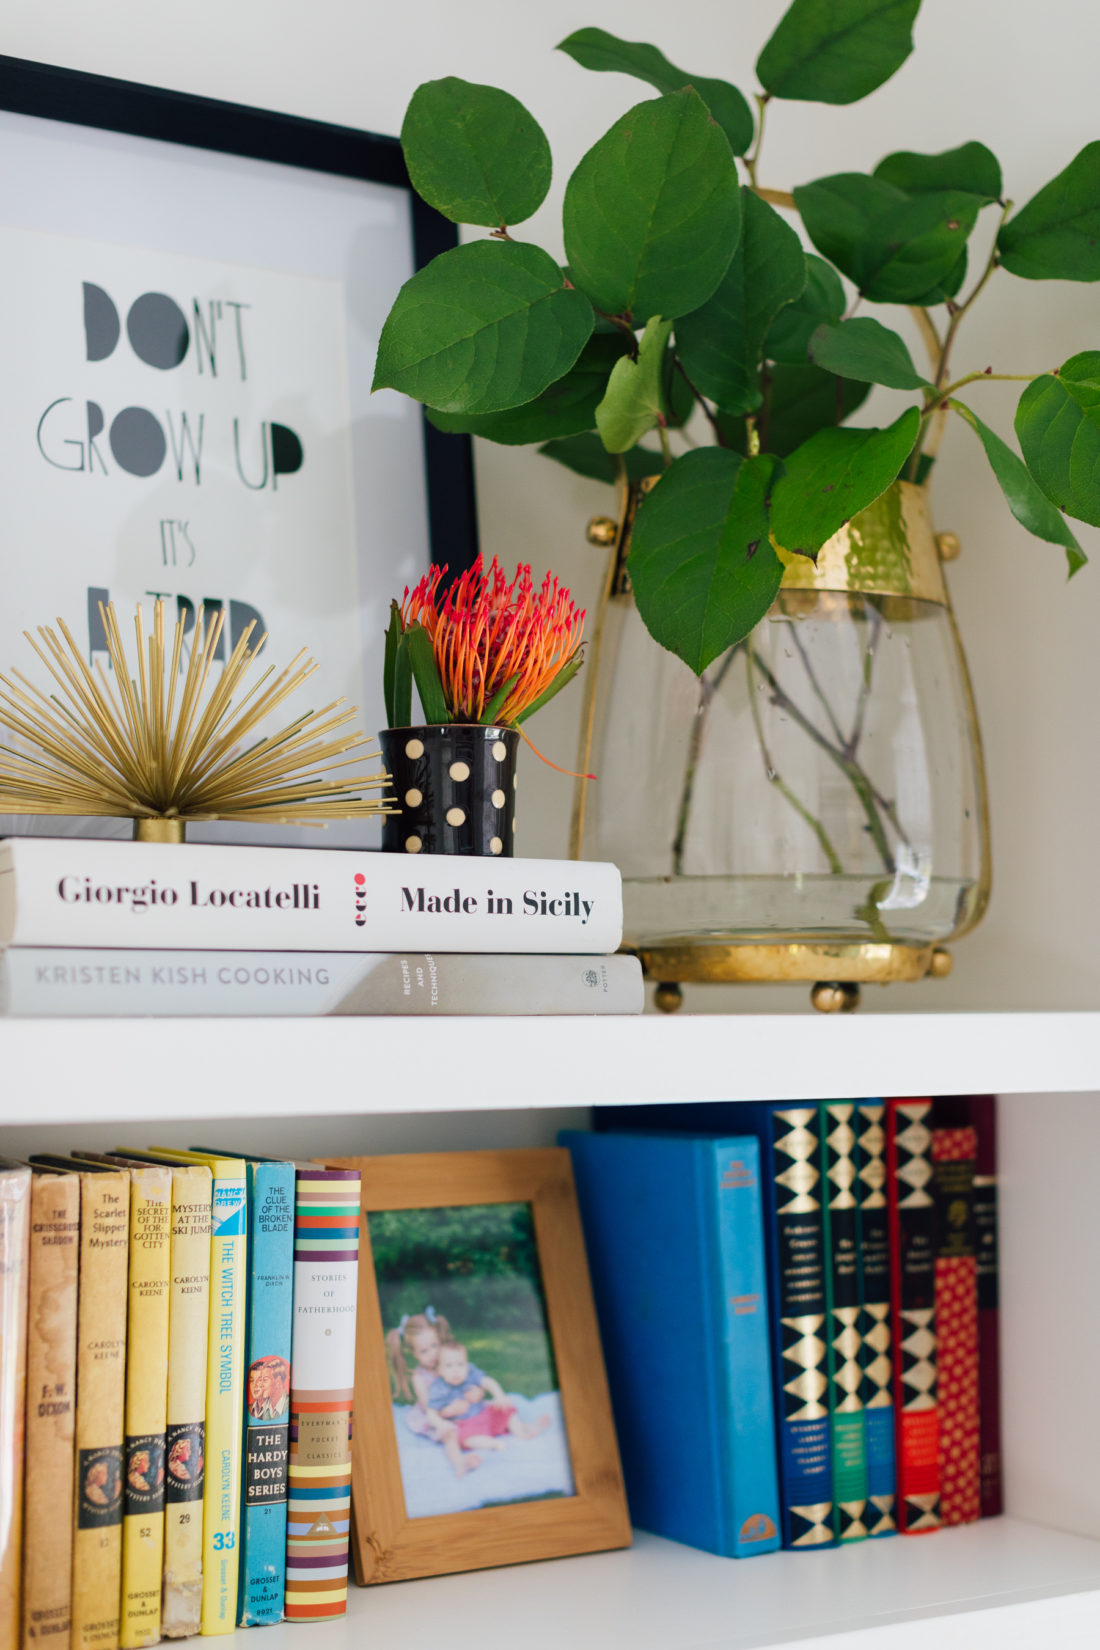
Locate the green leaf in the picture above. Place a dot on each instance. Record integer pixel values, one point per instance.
(1058, 425)
(562, 679)
(971, 167)
(893, 246)
(721, 343)
(866, 350)
(701, 562)
(797, 402)
(426, 675)
(492, 709)
(596, 49)
(1026, 499)
(396, 673)
(482, 327)
(836, 51)
(633, 403)
(653, 211)
(566, 408)
(474, 153)
(945, 289)
(1056, 236)
(821, 300)
(833, 476)
(587, 456)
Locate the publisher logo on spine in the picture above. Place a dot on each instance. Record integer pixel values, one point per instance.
(185, 1445)
(145, 1473)
(100, 1488)
(360, 899)
(265, 1465)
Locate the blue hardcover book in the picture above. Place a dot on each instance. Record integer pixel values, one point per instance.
(874, 1286)
(673, 1230)
(265, 1455)
(794, 1232)
(840, 1183)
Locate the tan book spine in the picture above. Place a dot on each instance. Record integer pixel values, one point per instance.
(15, 1224)
(51, 1411)
(146, 1405)
(100, 1409)
(185, 1438)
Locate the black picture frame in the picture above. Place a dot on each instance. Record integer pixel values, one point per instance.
(135, 110)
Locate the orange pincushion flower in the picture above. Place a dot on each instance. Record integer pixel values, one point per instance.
(487, 634)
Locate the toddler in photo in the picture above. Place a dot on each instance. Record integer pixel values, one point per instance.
(419, 1337)
(471, 1401)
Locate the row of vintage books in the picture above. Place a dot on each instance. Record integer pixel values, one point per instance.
(97, 928)
(177, 1353)
(799, 1310)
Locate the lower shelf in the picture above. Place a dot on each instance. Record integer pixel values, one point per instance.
(1004, 1583)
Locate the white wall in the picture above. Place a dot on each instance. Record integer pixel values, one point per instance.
(1020, 77)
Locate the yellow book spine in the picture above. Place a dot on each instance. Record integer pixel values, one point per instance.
(185, 1438)
(51, 1410)
(100, 1407)
(146, 1405)
(15, 1227)
(224, 1399)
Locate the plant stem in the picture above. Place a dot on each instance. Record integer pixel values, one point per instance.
(958, 312)
(865, 791)
(707, 691)
(774, 778)
(705, 406)
(981, 377)
(751, 159)
(851, 744)
(819, 691)
(666, 450)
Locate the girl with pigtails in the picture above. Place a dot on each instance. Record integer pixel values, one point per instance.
(417, 1340)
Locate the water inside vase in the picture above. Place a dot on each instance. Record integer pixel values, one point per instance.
(818, 783)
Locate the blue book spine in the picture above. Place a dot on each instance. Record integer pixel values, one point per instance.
(673, 1232)
(745, 1393)
(840, 1181)
(791, 1176)
(267, 1393)
(874, 1284)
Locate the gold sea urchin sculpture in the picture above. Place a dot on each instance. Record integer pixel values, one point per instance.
(162, 752)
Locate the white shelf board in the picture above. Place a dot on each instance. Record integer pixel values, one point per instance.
(64, 1071)
(1002, 1584)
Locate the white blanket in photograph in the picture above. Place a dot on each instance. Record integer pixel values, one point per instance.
(525, 1469)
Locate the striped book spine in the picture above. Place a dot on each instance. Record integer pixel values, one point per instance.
(875, 1339)
(15, 1231)
(322, 1358)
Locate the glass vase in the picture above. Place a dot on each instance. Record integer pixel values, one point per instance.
(814, 806)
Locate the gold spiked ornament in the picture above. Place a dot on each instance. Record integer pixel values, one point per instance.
(168, 744)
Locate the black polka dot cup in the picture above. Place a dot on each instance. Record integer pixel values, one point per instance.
(456, 787)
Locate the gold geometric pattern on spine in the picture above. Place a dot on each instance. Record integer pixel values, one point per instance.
(799, 1144)
(165, 743)
(842, 1173)
(872, 1168)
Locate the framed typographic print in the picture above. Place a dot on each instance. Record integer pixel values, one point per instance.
(191, 294)
(483, 1430)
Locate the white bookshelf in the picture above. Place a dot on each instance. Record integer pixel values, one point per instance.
(1025, 1581)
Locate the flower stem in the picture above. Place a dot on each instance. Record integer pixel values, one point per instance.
(775, 778)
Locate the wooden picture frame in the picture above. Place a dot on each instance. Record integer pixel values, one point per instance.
(388, 1544)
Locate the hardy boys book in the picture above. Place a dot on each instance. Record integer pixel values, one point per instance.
(672, 1227)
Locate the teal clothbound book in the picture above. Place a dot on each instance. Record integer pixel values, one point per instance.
(673, 1230)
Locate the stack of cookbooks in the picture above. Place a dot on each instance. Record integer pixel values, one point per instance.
(100, 928)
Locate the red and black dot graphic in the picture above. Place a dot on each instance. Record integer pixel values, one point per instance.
(360, 899)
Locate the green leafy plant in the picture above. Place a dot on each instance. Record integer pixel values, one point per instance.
(687, 296)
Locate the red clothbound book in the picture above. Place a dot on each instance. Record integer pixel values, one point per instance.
(912, 1280)
(954, 1154)
(979, 1111)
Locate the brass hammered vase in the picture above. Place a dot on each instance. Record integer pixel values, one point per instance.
(814, 807)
